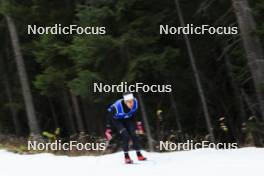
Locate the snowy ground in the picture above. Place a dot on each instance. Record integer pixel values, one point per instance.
(205, 162)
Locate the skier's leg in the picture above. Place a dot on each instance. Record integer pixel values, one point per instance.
(131, 126)
(119, 125)
(125, 139)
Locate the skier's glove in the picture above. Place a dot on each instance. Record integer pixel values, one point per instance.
(108, 134)
(140, 128)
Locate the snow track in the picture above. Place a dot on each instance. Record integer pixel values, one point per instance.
(204, 162)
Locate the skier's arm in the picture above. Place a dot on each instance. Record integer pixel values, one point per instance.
(108, 131)
(138, 121)
(109, 116)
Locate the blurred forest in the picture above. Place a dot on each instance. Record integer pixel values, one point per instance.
(46, 80)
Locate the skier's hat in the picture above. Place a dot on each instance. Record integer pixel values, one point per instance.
(128, 96)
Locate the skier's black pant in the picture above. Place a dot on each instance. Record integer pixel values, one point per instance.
(127, 128)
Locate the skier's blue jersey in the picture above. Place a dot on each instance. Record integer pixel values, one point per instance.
(120, 113)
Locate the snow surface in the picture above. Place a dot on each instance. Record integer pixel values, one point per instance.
(203, 162)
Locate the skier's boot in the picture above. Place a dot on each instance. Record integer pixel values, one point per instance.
(127, 159)
(140, 156)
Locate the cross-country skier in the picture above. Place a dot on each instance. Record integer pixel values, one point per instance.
(121, 117)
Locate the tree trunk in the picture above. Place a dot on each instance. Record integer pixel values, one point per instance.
(196, 75)
(68, 114)
(248, 103)
(236, 91)
(53, 112)
(177, 117)
(15, 120)
(18, 129)
(77, 113)
(146, 123)
(176, 113)
(84, 105)
(30, 109)
(252, 47)
(240, 108)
